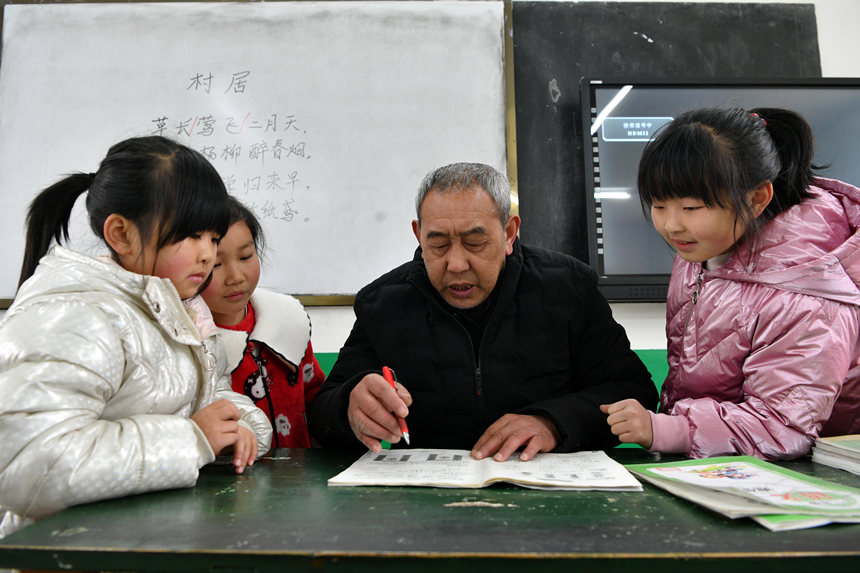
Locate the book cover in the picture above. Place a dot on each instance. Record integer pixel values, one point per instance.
(744, 486)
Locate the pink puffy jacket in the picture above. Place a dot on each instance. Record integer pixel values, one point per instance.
(764, 357)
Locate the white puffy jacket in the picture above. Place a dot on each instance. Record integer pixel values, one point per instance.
(100, 369)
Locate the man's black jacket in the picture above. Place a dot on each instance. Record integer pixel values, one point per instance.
(550, 348)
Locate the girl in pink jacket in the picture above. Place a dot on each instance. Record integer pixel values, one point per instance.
(763, 310)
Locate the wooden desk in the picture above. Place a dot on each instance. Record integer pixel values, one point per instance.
(281, 515)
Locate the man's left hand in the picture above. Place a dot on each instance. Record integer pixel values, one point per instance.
(512, 431)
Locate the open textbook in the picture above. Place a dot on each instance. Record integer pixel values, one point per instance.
(744, 486)
(456, 468)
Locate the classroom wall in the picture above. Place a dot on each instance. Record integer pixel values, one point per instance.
(644, 322)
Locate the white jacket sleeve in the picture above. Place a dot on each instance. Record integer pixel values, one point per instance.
(58, 447)
(252, 417)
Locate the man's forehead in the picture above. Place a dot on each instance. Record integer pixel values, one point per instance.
(474, 202)
(448, 232)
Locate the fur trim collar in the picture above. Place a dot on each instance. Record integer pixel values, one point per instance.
(282, 324)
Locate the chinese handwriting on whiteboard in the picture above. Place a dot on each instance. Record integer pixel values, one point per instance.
(260, 155)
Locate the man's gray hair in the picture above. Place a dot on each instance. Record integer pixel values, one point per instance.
(461, 176)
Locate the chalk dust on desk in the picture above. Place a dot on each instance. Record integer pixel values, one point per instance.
(69, 532)
(554, 91)
(644, 37)
(478, 504)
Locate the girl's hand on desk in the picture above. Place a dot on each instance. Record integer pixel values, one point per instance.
(630, 422)
(244, 450)
(220, 424)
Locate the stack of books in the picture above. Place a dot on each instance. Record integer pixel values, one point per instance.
(841, 452)
(743, 486)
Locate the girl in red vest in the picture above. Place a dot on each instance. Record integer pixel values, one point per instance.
(267, 335)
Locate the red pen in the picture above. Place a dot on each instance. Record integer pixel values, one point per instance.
(386, 372)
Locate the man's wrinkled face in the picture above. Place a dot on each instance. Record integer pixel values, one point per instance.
(463, 244)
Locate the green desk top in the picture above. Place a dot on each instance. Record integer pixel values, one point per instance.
(281, 515)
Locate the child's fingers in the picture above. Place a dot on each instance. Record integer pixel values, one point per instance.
(226, 409)
(617, 417)
(616, 407)
(252, 443)
(240, 455)
(244, 450)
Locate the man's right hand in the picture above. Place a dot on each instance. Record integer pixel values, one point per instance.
(373, 404)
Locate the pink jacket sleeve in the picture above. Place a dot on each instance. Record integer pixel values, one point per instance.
(801, 350)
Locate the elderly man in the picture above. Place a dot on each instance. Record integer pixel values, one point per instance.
(496, 346)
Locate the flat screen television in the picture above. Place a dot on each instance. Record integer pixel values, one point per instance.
(632, 261)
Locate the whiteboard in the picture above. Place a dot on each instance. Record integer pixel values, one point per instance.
(321, 116)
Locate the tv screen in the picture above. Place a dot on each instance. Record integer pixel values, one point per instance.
(619, 117)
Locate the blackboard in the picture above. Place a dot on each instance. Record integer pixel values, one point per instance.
(557, 43)
(321, 116)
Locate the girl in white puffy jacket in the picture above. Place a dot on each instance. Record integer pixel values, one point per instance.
(113, 381)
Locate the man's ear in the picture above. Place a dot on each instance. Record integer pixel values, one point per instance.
(122, 235)
(416, 229)
(760, 197)
(511, 230)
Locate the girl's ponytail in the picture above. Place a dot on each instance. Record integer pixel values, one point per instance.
(48, 219)
(794, 142)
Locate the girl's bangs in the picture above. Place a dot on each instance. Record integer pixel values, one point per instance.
(685, 167)
(200, 200)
